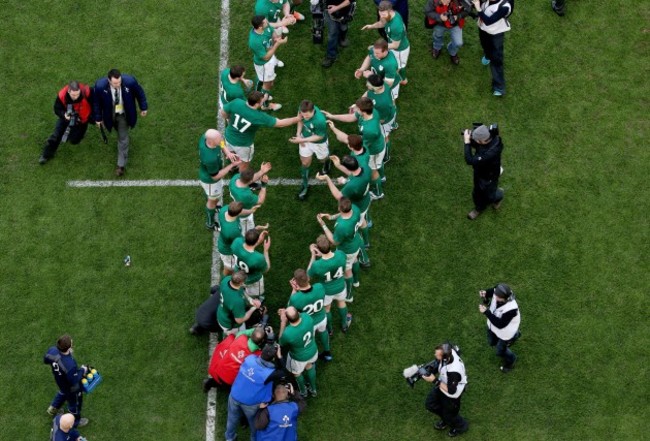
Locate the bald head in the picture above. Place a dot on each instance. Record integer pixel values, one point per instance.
(292, 314)
(66, 422)
(213, 137)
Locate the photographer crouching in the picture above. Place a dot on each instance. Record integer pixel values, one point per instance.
(483, 147)
(73, 106)
(449, 378)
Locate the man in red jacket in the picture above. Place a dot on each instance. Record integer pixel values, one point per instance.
(229, 355)
(73, 106)
(446, 16)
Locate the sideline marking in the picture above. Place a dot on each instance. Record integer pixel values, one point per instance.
(275, 182)
(224, 47)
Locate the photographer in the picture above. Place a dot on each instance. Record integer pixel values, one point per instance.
(337, 15)
(444, 399)
(230, 354)
(486, 161)
(503, 320)
(493, 24)
(446, 16)
(252, 387)
(73, 106)
(279, 420)
(68, 379)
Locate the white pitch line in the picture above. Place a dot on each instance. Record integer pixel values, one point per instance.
(224, 47)
(276, 182)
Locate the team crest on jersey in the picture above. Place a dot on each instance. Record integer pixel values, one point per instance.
(285, 422)
(241, 355)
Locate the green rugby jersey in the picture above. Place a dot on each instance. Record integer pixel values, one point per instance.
(300, 339)
(387, 67)
(396, 31)
(330, 273)
(371, 132)
(316, 125)
(243, 123)
(244, 195)
(229, 91)
(231, 304)
(260, 44)
(210, 161)
(229, 231)
(311, 301)
(346, 232)
(252, 263)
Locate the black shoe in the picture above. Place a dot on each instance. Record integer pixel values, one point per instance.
(455, 432)
(326, 356)
(196, 329)
(364, 264)
(558, 11)
(207, 384)
(440, 425)
(507, 368)
(327, 167)
(344, 43)
(302, 195)
(327, 62)
(43, 160)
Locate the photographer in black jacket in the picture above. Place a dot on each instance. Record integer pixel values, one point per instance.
(450, 381)
(483, 149)
(73, 106)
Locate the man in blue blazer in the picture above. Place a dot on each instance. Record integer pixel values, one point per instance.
(114, 107)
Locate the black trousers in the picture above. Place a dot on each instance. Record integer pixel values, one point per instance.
(77, 133)
(446, 408)
(485, 192)
(493, 49)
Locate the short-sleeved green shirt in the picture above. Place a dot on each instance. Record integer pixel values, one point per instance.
(260, 44)
(210, 161)
(396, 31)
(272, 11)
(300, 339)
(311, 301)
(363, 159)
(357, 189)
(346, 232)
(242, 194)
(316, 125)
(243, 122)
(252, 263)
(387, 67)
(229, 91)
(384, 104)
(232, 304)
(230, 230)
(371, 133)
(330, 272)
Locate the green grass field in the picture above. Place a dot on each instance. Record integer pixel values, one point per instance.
(571, 237)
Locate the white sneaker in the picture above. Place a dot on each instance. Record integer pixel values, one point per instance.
(274, 107)
(280, 63)
(285, 30)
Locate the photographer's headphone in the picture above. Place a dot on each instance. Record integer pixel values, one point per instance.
(503, 291)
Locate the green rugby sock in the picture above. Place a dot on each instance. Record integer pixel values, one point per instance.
(209, 214)
(324, 339)
(301, 384)
(355, 272)
(329, 320)
(343, 313)
(402, 73)
(311, 376)
(348, 285)
(304, 174)
(364, 256)
(365, 235)
(377, 184)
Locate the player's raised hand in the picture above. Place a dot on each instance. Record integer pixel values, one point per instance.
(266, 167)
(335, 160)
(267, 242)
(358, 73)
(265, 179)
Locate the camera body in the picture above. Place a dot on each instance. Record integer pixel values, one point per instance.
(268, 330)
(414, 373)
(74, 116)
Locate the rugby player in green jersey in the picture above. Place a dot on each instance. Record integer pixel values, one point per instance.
(230, 85)
(369, 124)
(252, 262)
(241, 191)
(264, 42)
(230, 229)
(212, 172)
(310, 298)
(345, 237)
(244, 119)
(232, 311)
(358, 152)
(297, 335)
(328, 267)
(277, 13)
(381, 61)
(398, 43)
(381, 97)
(355, 187)
(311, 137)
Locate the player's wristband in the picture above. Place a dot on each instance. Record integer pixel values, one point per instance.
(263, 185)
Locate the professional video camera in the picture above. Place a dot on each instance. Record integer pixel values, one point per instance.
(413, 373)
(468, 7)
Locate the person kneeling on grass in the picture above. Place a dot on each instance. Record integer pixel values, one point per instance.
(279, 420)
